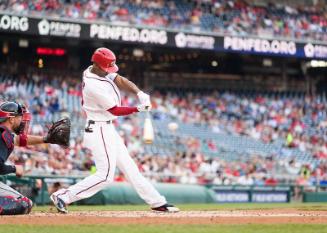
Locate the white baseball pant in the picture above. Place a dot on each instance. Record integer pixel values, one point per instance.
(108, 149)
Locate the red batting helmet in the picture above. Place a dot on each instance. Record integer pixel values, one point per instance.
(105, 59)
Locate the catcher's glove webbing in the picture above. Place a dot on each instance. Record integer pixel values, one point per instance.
(59, 133)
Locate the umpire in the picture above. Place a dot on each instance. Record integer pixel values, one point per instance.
(14, 123)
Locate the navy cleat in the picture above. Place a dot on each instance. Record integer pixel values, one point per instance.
(59, 204)
(166, 208)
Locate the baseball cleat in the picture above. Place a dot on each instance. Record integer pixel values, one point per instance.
(166, 208)
(59, 204)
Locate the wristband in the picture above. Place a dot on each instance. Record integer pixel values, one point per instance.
(22, 140)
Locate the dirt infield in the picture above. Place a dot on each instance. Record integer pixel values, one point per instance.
(183, 217)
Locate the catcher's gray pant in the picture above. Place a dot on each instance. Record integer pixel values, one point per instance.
(5, 190)
(12, 202)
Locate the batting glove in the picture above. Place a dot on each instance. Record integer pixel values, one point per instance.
(143, 108)
(144, 99)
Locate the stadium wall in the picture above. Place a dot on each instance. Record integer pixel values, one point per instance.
(123, 193)
(315, 197)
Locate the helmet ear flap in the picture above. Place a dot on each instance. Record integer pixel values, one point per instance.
(19, 109)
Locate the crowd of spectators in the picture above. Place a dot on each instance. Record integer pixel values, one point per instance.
(49, 92)
(299, 121)
(235, 17)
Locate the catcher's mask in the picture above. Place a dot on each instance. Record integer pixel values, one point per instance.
(13, 109)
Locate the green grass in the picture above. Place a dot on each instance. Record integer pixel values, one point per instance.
(246, 206)
(250, 228)
(171, 228)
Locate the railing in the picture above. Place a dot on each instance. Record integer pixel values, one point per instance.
(291, 192)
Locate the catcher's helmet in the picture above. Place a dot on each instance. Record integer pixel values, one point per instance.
(105, 59)
(10, 109)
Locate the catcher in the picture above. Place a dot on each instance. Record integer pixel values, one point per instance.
(14, 123)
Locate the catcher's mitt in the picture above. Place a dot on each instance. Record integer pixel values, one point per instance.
(59, 133)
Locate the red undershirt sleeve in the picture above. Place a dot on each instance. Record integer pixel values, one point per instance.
(122, 110)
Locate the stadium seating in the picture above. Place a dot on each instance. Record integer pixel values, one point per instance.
(219, 16)
(197, 138)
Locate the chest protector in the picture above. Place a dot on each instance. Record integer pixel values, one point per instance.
(8, 138)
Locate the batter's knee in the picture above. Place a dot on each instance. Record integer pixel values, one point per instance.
(106, 183)
(104, 179)
(10, 205)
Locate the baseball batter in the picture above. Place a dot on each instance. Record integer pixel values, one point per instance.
(101, 102)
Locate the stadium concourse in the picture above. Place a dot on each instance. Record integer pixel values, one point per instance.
(230, 17)
(201, 137)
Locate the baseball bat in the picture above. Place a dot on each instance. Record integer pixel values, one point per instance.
(148, 133)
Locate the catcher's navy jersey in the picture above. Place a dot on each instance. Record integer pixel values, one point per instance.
(6, 147)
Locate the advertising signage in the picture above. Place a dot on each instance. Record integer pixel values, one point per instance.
(257, 197)
(274, 47)
(14, 23)
(260, 46)
(42, 27)
(46, 27)
(242, 194)
(128, 34)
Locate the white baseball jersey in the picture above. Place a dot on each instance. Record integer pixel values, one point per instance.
(99, 94)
